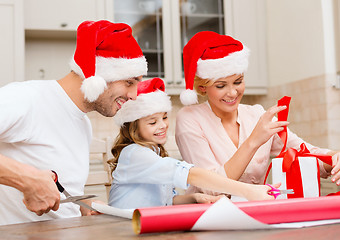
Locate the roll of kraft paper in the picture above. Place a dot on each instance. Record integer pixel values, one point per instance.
(183, 217)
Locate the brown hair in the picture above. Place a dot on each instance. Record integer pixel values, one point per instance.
(129, 134)
(201, 82)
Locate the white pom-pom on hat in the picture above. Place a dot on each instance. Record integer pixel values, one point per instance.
(92, 87)
(188, 97)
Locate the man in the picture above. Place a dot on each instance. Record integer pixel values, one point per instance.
(44, 127)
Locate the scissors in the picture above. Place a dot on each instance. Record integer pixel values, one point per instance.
(276, 192)
(70, 198)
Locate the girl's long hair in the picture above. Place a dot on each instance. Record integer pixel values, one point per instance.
(129, 134)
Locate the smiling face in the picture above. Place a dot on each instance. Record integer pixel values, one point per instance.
(116, 94)
(154, 128)
(225, 94)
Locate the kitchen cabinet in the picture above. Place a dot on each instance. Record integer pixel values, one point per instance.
(62, 14)
(163, 27)
(50, 34)
(12, 41)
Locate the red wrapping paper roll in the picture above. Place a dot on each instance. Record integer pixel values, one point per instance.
(183, 217)
(293, 210)
(167, 219)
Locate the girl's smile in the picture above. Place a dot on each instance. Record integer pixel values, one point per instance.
(162, 134)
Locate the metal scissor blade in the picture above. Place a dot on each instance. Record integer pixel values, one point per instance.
(66, 193)
(77, 198)
(80, 203)
(287, 191)
(62, 190)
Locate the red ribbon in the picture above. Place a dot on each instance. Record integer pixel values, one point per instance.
(283, 116)
(290, 163)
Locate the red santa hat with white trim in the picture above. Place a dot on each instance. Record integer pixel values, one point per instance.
(151, 98)
(106, 52)
(210, 55)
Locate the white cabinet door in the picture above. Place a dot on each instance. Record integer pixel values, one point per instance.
(247, 23)
(11, 41)
(61, 14)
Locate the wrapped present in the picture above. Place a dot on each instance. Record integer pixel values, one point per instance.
(297, 170)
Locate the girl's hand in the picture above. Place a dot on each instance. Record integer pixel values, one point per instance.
(260, 192)
(205, 198)
(335, 168)
(87, 212)
(265, 128)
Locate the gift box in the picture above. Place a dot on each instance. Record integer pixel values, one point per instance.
(297, 170)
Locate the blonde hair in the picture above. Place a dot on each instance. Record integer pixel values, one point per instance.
(200, 82)
(129, 134)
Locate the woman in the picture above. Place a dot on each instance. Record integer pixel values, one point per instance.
(222, 135)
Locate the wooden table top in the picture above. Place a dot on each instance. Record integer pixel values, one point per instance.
(101, 227)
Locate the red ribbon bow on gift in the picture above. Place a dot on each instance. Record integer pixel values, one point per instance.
(290, 156)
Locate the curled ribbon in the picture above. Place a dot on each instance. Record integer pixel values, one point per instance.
(291, 155)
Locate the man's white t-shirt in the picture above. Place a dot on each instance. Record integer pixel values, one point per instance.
(41, 126)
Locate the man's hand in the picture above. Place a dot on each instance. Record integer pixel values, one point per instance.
(40, 192)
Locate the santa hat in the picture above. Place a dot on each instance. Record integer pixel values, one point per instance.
(210, 55)
(150, 99)
(106, 52)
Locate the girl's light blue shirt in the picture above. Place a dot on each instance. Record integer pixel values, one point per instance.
(145, 179)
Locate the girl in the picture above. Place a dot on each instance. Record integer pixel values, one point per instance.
(144, 175)
(234, 139)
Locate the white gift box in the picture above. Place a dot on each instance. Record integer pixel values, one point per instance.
(308, 168)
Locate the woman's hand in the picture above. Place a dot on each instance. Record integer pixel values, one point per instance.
(260, 192)
(266, 128)
(335, 168)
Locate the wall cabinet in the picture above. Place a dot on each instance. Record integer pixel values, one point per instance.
(12, 41)
(163, 27)
(50, 32)
(61, 14)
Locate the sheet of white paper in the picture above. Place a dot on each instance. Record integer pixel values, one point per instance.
(224, 215)
(125, 213)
